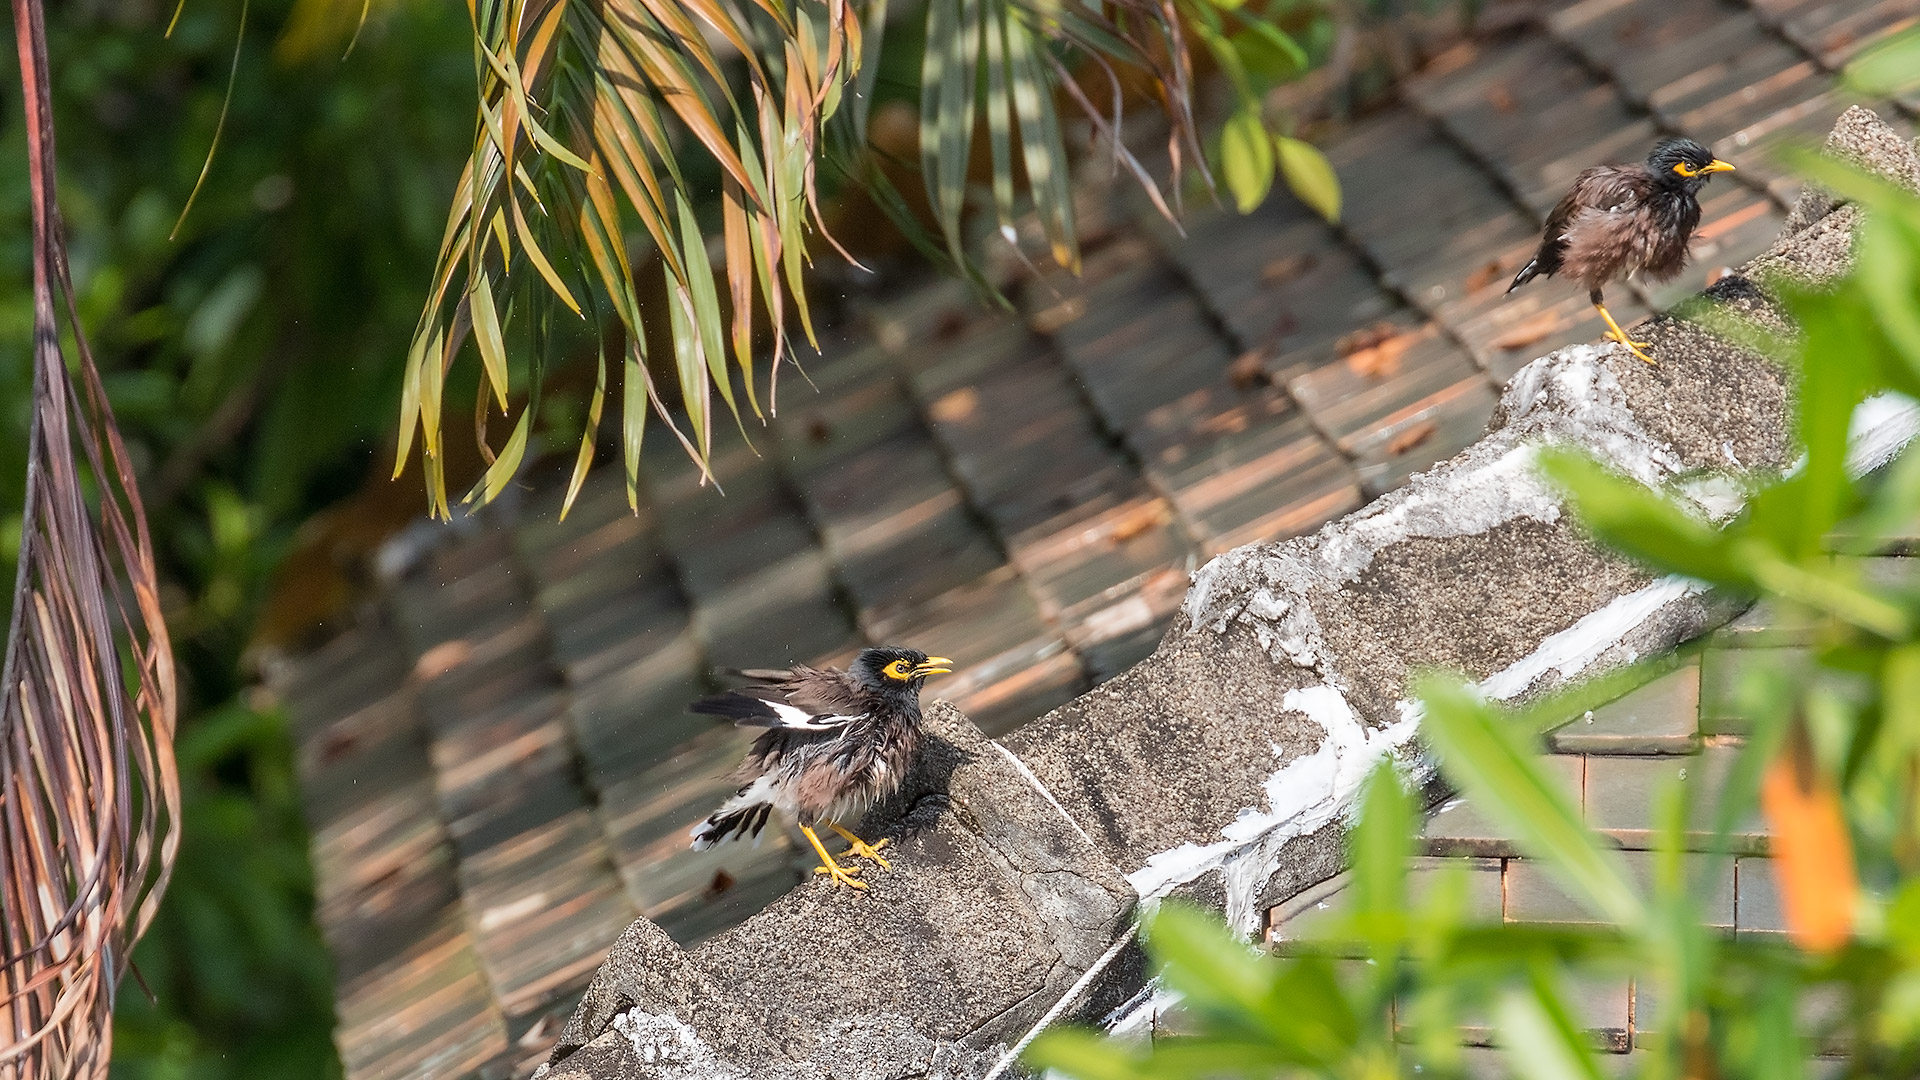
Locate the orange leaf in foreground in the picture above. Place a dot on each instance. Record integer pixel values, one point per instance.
(1813, 859)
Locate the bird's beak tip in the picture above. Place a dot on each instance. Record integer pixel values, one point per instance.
(936, 665)
(1719, 166)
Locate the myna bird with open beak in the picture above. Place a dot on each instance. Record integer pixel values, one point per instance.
(835, 741)
(1620, 220)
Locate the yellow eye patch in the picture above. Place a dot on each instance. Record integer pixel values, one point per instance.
(899, 669)
(1685, 169)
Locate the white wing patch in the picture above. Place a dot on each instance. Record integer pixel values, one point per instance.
(791, 716)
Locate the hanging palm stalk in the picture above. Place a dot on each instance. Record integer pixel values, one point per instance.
(594, 114)
(89, 800)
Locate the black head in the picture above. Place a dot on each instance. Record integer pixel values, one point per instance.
(886, 669)
(1684, 165)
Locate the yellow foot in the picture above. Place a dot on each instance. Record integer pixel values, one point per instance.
(1637, 348)
(842, 875)
(864, 850)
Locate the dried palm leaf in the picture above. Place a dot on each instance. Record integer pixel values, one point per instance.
(594, 115)
(89, 799)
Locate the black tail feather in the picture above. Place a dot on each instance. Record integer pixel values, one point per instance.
(726, 825)
(1527, 273)
(743, 709)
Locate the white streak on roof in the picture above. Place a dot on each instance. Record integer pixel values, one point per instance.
(1568, 397)
(675, 1050)
(1574, 649)
(1044, 793)
(1882, 426)
(1302, 795)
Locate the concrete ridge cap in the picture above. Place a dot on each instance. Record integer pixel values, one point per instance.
(1570, 396)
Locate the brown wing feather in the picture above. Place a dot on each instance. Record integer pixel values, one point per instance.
(822, 691)
(1605, 234)
(1599, 189)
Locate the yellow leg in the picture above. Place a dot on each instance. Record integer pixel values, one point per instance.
(863, 849)
(1614, 333)
(841, 874)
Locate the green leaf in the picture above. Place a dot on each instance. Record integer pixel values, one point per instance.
(1086, 1055)
(501, 472)
(1504, 778)
(1246, 159)
(1379, 846)
(634, 400)
(1888, 68)
(1538, 1030)
(1204, 961)
(1042, 151)
(1640, 521)
(487, 336)
(706, 306)
(584, 458)
(1268, 52)
(1310, 175)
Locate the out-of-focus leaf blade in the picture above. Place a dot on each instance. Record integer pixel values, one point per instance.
(1309, 175)
(1535, 1027)
(1887, 68)
(1484, 756)
(1246, 159)
(1642, 522)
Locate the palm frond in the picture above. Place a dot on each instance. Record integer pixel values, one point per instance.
(686, 133)
(585, 104)
(89, 799)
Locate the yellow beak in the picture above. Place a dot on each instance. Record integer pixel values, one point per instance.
(1717, 166)
(933, 665)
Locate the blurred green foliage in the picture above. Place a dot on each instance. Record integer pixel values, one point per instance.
(1831, 758)
(252, 362)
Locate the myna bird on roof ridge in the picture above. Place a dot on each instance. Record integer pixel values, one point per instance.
(1620, 220)
(835, 741)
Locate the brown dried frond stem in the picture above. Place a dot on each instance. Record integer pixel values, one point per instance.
(89, 798)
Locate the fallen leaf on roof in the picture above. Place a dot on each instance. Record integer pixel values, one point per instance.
(442, 658)
(1485, 276)
(1286, 268)
(1147, 516)
(1249, 370)
(1528, 331)
(1450, 61)
(1411, 437)
(1374, 352)
(1231, 422)
(957, 407)
(1050, 320)
(1364, 338)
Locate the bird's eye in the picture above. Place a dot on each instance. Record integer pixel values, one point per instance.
(1685, 169)
(899, 669)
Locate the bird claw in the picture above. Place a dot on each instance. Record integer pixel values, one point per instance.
(1637, 348)
(861, 848)
(842, 875)
(870, 852)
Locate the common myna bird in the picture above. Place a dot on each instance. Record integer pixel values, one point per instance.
(835, 741)
(1619, 220)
